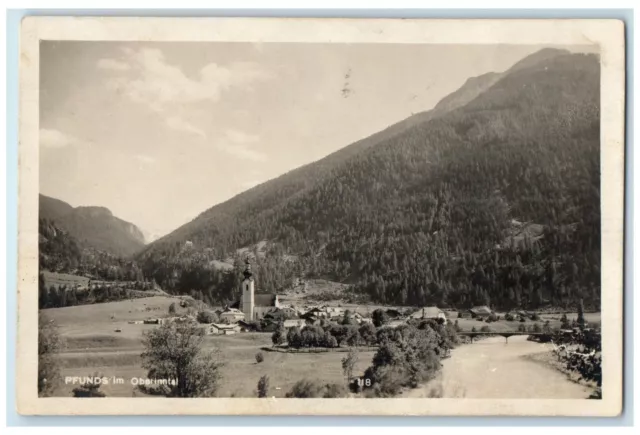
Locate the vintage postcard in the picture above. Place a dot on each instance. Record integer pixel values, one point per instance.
(247, 216)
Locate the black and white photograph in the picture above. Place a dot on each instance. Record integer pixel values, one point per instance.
(328, 220)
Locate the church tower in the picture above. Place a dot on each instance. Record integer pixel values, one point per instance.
(247, 293)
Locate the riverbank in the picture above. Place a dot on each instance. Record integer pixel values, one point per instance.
(550, 359)
(493, 369)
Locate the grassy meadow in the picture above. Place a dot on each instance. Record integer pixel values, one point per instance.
(93, 346)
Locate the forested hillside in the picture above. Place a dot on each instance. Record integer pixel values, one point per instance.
(60, 252)
(93, 227)
(438, 211)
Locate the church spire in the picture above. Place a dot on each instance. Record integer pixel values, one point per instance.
(247, 270)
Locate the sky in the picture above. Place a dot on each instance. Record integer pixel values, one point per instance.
(160, 132)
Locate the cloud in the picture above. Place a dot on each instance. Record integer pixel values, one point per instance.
(52, 139)
(241, 137)
(244, 153)
(112, 64)
(236, 143)
(177, 123)
(163, 87)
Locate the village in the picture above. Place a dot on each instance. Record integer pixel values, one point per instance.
(256, 312)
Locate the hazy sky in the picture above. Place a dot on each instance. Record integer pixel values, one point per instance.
(159, 132)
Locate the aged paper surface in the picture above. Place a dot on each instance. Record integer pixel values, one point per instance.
(604, 37)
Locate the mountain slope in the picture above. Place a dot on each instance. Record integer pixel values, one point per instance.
(424, 214)
(93, 227)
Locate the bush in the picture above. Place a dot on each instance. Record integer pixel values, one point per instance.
(535, 317)
(89, 389)
(206, 317)
(333, 391)
(259, 357)
(522, 319)
(305, 389)
(485, 328)
(522, 328)
(172, 308)
(263, 386)
(509, 317)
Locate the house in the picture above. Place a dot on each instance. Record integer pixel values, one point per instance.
(429, 313)
(480, 311)
(231, 315)
(222, 329)
(316, 312)
(246, 326)
(294, 323)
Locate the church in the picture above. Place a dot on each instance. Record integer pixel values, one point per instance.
(254, 306)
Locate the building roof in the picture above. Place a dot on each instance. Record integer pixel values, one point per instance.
(223, 326)
(232, 311)
(483, 309)
(427, 313)
(293, 322)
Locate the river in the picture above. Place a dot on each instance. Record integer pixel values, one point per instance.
(492, 369)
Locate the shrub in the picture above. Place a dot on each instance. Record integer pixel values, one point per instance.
(509, 317)
(305, 389)
(172, 308)
(263, 386)
(535, 317)
(485, 328)
(332, 391)
(522, 319)
(206, 317)
(259, 357)
(89, 389)
(522, 328)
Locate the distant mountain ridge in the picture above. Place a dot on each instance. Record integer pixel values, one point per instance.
(94, 227)
(420, 212)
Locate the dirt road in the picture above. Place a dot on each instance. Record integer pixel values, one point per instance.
(490, 368)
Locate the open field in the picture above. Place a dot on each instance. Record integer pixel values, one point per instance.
(93, 346)
(240, 374)
(59, 279)
(103, 319)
